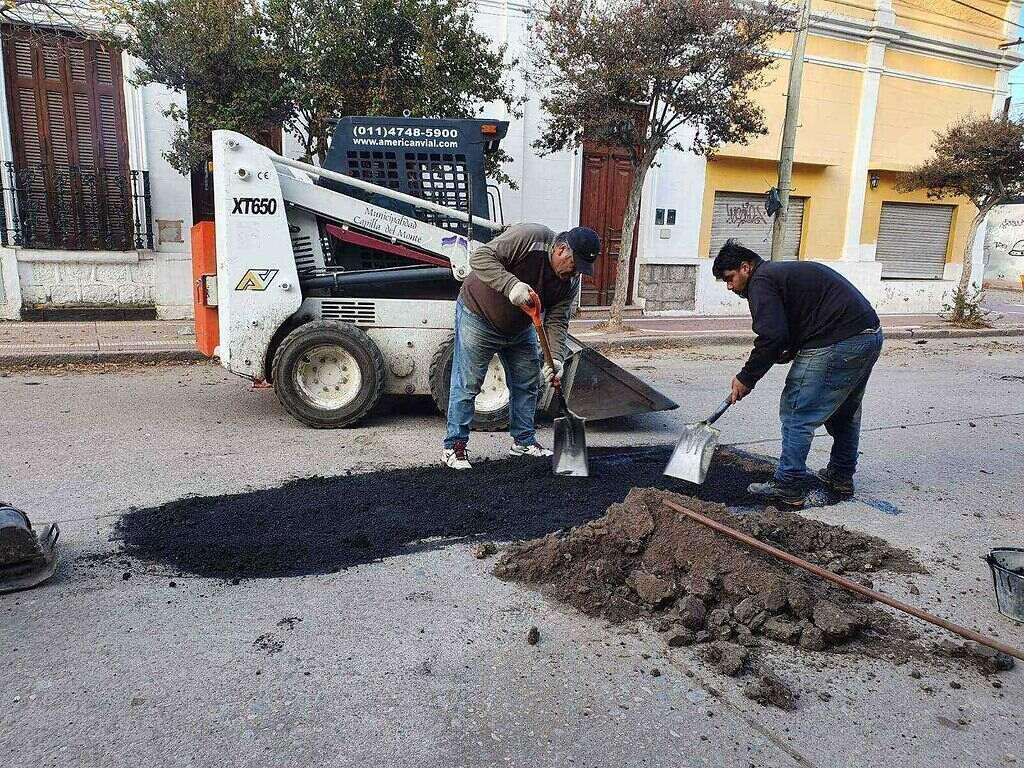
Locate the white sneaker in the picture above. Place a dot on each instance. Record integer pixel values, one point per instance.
(536, 449)
(455, 457)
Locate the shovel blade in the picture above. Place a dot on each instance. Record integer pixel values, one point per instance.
(570, 447)
(692, 455)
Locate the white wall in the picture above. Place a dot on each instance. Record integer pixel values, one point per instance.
(1004, 247)
(676, 182)
(172, 204)
(548, 186)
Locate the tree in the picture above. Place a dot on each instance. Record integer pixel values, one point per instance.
(48, 19)
(215, 52)
(245, 64)
(981, 158)
(383, 57)
(636, 72)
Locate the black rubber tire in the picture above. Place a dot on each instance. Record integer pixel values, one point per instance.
(367, 355)
(440, 386)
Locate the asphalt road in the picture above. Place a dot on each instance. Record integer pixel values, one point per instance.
(421, 659)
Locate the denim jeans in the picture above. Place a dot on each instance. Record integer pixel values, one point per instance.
(476, 342)
(825, 386)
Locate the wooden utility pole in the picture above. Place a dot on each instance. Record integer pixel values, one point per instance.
(796, 77)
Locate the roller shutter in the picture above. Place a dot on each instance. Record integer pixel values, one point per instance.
(742, 216)
(913, 240)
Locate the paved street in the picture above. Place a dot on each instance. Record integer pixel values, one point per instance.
(421, 659)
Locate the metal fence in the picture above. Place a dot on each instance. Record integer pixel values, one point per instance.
(72, 208)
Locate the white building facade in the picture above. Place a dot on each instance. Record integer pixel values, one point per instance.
(87, 224)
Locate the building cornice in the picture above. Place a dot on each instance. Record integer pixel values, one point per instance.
(859, 30)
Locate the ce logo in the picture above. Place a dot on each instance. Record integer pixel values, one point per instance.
(263, 175)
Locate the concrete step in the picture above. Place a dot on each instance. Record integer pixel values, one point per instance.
(631, 312)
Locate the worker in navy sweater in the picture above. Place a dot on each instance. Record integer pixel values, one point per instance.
(806, 313)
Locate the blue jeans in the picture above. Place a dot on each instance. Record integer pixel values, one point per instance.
(825, 386)
(476, 342)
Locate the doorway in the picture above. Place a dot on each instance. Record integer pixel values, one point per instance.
(607, 178)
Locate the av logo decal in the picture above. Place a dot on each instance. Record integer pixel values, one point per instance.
(256, 280)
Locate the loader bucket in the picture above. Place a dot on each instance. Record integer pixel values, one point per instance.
(595, 388)
(26, 558)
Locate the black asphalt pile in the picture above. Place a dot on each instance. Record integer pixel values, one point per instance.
(321, 525)
(642, 560)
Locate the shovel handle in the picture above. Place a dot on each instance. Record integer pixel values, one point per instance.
(719, 411)
(533, 309)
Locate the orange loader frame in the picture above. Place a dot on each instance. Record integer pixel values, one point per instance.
(204, 267)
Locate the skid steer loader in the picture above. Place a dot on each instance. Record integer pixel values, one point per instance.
(337, 284)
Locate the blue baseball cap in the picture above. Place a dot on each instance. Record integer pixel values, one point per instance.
(586, 246)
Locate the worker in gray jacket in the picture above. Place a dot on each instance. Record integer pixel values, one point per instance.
(524, 262)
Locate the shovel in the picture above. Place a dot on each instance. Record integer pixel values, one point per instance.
(570, 447)
(692, 455)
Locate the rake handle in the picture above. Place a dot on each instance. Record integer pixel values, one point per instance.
(849, 586)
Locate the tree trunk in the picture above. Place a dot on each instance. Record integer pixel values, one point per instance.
(629, 220)
(962, 296)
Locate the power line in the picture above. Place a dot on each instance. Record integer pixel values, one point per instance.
(987, 13)
(950, 16)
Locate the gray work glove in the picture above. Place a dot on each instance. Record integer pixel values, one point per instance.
(520, 294)
(550, 373)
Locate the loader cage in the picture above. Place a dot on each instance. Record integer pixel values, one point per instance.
(437, 160)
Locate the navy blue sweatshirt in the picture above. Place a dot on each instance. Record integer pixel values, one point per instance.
(800, 305)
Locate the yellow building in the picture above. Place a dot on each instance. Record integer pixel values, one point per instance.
(881, 78)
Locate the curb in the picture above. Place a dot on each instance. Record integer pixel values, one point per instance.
(661, 341)
(684, 340)
(43, 359)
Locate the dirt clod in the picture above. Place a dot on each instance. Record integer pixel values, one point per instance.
(484, 549)
(692, 612)
(769, 690)
(533, 636)
(650, 588)
(681, 637)
(728, 657)
(835, 622)
(783, 630)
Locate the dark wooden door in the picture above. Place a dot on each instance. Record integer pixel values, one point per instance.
(66, 105)
(607, 177)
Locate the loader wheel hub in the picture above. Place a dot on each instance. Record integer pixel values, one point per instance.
(328, 377)
(494, 393)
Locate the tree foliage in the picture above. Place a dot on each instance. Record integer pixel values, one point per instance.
(246, 64)
(217, 53)
(646, 74)
(981, 158)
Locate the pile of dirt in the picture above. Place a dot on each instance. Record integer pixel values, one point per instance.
(643, 560)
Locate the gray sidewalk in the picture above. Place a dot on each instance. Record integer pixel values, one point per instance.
(110, 341)
(98, 341)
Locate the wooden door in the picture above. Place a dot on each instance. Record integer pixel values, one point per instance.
(607, 177)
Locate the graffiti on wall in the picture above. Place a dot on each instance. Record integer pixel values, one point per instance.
(1004, 246)
(746, 213)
